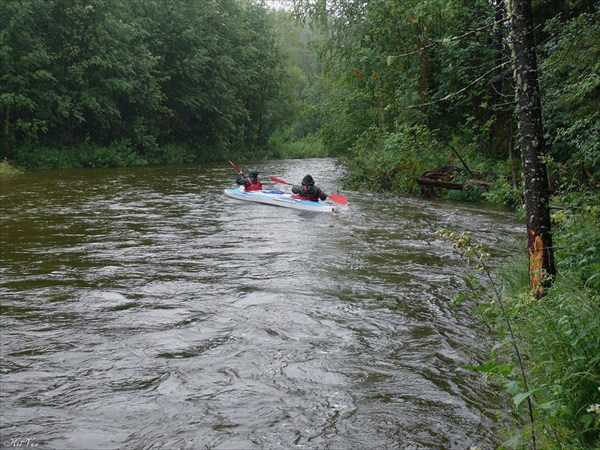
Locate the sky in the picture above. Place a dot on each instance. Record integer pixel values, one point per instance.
(280, 4)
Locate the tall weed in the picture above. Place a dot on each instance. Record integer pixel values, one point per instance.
(117, 154)
(32, 157)
(558, 337)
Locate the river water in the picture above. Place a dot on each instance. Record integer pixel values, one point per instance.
(143, 309)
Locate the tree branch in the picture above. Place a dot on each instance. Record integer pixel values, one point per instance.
(435, 42)
(460, 91)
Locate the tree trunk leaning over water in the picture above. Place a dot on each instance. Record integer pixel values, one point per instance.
(537, 196)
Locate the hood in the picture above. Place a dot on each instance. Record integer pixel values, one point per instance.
(308, 181)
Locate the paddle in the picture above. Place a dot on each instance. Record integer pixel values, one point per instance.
(235, 167)
(334, 197)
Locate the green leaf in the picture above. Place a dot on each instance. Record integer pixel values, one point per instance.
(460, 299)
(519, 398)
(588, 420)
(512, 387)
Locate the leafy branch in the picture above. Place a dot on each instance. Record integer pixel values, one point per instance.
(463, 89)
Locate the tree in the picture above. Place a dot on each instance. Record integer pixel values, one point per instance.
(131, 76)
(571, 90)
(25, 76)
(533, 149)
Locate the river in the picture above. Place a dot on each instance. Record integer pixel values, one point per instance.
(143, 309)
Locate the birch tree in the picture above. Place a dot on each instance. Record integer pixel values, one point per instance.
(529, 111)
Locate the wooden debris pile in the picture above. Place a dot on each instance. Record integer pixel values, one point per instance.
(443, 177)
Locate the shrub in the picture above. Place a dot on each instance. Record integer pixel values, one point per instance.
(558, 336)
(117, 154)
(393, 161)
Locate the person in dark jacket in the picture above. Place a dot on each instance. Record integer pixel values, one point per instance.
(250, 183)
(308, 190)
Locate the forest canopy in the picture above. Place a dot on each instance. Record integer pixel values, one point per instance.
(423, 84)
(83, 78)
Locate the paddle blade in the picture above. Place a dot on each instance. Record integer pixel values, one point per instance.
(338, 199)
(278, 180)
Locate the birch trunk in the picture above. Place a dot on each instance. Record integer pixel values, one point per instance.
(541, 261)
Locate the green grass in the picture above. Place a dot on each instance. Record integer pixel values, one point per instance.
(7, 169)
(547, 352)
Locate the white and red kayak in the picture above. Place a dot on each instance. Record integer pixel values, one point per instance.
(278, 198)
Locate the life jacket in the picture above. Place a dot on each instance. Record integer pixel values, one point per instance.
(305, 196)
(253, 186)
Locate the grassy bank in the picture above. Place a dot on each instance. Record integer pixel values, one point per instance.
(556, 380)
(118, 154)
(7, 169)
(123, 154)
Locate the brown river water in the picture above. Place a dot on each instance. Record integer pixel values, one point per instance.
(143, 309)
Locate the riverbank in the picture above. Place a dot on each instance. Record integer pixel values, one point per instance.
(122, 154)
(7, 169)
(117, 154)
(557, 336)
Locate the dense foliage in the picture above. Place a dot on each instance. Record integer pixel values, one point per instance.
(107, 82)
(303, 89)
(571, 86)
(421, 83)
(560, 337)
(547, 354)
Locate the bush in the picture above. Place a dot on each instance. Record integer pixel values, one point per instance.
(117, 154)
(172, 154)
(34, 157)
(560, 334)
(548, 351)
(392, 161)
(504, 194)
(307, 147)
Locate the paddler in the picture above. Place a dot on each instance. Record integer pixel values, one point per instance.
(308, 190)
(250, 183)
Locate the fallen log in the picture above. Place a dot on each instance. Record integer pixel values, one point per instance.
(438, 183)
(448, 185)
(441, 177)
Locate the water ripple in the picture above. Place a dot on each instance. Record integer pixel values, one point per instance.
(143, 309)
